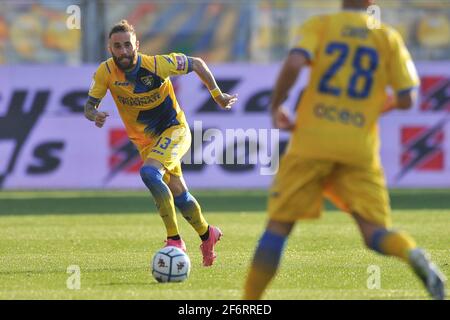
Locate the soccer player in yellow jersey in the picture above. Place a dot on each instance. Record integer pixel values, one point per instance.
(334, 148)
(155, 123)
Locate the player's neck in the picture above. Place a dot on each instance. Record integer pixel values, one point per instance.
(134, 66)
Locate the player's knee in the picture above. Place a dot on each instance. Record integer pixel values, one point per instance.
(367, 238)
(368, 243)
(151, 176)
(374, 241)
(177, 189)
(182, 200)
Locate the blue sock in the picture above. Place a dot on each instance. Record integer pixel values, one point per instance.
(184, 201)
(377, 238)
(153, 179)
(269, 251)
(191, 211)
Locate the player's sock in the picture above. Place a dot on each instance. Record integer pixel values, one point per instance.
(163, 198)
(265, 264)
(393, 243)
(205, 236)
(191, 211)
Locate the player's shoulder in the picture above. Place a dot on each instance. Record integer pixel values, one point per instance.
(149, 62)
(316, 20)
(391, 35)
(106, 67)
(170, 57)
(146, 58)
(165, 60)
(391, 32)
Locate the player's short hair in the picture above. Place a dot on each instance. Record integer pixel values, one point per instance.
(122, 26)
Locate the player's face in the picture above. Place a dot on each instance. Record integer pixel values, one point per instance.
(123, 47)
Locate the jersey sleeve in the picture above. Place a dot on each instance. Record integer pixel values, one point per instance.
(172, 64)
(402, 73)
(99, 84)
(308, 37)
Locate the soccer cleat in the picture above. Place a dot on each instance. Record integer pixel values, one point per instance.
(176, 243)
(207, 246)
(429, 273)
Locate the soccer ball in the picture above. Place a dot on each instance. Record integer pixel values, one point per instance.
(171, 264)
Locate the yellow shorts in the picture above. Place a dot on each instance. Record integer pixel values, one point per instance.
(300, 185)
(169, 148)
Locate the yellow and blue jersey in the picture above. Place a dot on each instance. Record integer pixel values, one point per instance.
(351, 67)
(144, 96)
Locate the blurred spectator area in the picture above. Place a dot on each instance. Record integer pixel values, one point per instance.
(34, 31)
(218, 31)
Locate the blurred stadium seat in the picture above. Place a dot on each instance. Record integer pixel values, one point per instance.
(433, 30)
(36, 32)
(221, 31)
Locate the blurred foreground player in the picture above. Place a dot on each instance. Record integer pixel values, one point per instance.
(334, 148)
(155, 123)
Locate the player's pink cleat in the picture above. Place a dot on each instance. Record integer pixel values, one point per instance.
(207, 246)
(176, 243)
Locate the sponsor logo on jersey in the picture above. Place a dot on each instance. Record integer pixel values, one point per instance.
(121, 84)
(181, 62)
(342, 115)
(139, 101)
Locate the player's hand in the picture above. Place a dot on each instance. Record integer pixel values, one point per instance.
(225, 100)
(389, 104)
(281, 119)
(100, 118)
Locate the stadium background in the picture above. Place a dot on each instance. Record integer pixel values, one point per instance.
(46, 69)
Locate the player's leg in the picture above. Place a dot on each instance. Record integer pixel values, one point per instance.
(296, 194)
(152, 173)
(384, 240)
(362, 192)
(188, 205)
(266, 259)
(397, 243)
(192, 212)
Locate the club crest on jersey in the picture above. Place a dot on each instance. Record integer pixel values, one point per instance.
(147, 80)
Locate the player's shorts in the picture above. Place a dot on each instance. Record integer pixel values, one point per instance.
(169, 148)
(301, 183)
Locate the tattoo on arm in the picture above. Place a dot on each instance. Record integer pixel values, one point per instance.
(90, 108)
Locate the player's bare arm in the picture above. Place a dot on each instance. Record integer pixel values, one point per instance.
(406, 100)
(403, 101)
(286, 79)
(91, 113)
(224, 100)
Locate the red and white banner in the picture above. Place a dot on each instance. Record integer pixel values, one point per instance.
(46, 143)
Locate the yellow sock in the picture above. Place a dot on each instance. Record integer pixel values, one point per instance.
(256, 283)
(167, 212)
(264, 265)
(394, 243)
(153, 179)
(192, 212)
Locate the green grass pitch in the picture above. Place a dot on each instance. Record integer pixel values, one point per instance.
(112, 236)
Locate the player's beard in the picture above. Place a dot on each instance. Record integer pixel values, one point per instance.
(125, 63)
